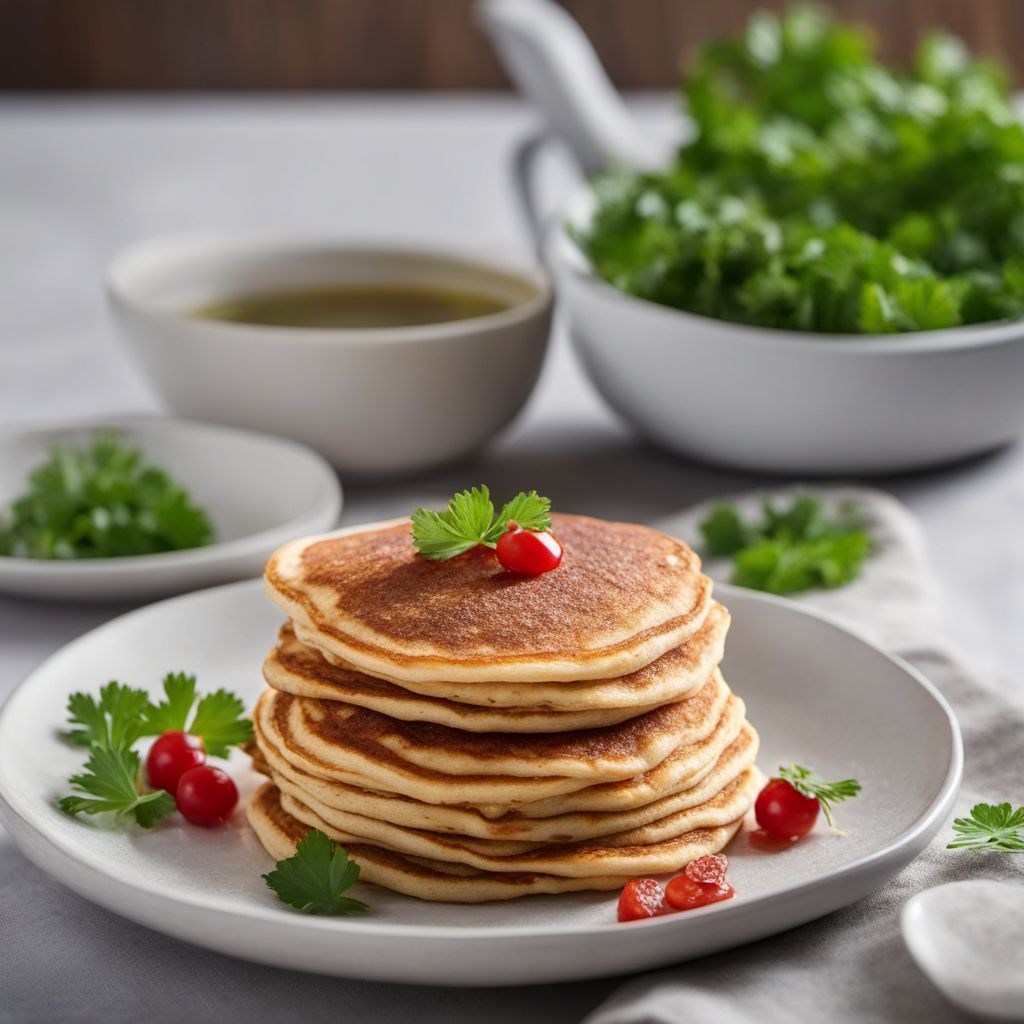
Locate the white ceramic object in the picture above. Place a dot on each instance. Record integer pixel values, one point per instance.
(373, 401)
(968, 938)
(757, 398)
(812, 688)
(259, 492)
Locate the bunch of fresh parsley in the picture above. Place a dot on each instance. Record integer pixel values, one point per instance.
(823, 191)
(111, 724)
(791, 549)
(104, 501)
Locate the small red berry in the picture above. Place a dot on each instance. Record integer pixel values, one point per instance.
(784, 811)
(206, 795)
(528, 552)
(642, 897)
(173, 754)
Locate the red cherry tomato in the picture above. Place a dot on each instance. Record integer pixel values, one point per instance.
(783, 811)
(642, 897)
(206, 795)
(173, 754)
(684, 893)
(527, 552)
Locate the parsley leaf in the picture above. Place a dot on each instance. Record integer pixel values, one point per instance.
(110, 783)
(115, 720)
(313, 880)
(218, 718)
(469, 521)
(826, 793)
(990, 828)
(724, 532)
(103, 501)
(172, 713)
(530, 511)
(792, 549)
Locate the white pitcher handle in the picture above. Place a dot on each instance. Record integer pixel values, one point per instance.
(524, 161)
(551, 61)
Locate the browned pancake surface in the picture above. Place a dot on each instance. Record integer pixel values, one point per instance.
(614, 578)
(337, 725)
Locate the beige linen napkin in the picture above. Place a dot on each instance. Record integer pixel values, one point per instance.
(852, 965)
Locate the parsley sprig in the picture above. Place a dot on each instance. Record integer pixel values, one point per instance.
(115, 720)
(470, 521)
(805, 781)
(990, 828)
(315, 877)
(218, 718)
(110, 783)
(104, 501)
(109, 725)
(792, 549)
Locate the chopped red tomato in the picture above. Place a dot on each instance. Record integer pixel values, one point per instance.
(683, 893)
(642, 897)
(709, 869)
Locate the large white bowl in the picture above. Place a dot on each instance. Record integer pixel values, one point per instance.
(373, 401)
(790, 401)
(770, 400)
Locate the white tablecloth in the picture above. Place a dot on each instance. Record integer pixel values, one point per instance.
(80, 178)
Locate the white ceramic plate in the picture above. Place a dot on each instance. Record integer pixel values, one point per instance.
(818, 695)
(259, 491)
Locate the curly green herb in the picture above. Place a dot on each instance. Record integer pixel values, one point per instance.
(792, 549)
(104, 501)
(823, 191)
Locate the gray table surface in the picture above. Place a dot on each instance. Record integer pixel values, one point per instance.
(79, 179)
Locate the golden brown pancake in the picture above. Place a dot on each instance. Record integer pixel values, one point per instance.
(623, 595)
(440, 765)
(295, 668)
(325, 795)
(433, 880)
(650, 849)
(675, 675)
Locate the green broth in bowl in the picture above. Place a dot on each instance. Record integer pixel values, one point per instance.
(353, 306)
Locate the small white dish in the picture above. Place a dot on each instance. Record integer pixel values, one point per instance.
(374, 401)
(259, 491)
(968, 938)
(812, 688)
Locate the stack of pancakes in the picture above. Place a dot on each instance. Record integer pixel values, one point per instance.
(471, 735)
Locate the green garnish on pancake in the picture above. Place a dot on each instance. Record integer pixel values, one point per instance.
(469, 522)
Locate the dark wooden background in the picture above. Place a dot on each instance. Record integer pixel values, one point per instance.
(402, 44)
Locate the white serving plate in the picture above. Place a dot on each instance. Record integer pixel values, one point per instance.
(259, 492)
(818, 694)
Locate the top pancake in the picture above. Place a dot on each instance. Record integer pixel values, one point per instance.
(623, 596)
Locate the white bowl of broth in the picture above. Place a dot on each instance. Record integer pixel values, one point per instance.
(387, 360)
